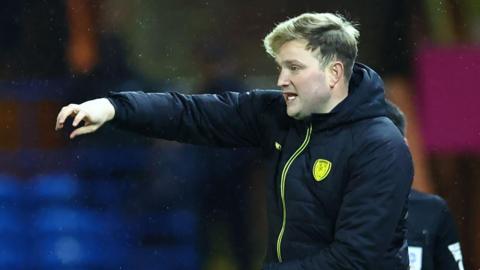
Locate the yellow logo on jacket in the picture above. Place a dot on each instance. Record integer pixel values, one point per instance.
(278, 146)
(321, 168)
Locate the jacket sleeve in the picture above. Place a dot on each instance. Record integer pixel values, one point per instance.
(447, 253)
(381, 173)
(228, 119)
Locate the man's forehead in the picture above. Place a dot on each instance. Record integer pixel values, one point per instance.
(295, 55)
(288, 61)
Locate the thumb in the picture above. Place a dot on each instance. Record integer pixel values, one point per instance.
(83, 130)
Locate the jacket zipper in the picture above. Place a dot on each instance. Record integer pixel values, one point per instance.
(282, 188)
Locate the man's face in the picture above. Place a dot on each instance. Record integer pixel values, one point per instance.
(302, 79)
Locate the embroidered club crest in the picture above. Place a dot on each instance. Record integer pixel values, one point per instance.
(321, 168)
(278, 146)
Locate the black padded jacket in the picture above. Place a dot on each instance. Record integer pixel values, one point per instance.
(337, 195)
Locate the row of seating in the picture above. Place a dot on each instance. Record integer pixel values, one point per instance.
(58, 221)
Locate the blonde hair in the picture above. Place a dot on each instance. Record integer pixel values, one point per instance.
(332, 34)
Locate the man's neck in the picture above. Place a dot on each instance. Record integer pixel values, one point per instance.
(338, 95)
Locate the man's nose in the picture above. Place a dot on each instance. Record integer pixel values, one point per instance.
(283, 80)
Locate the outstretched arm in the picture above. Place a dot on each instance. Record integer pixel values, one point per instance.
(228, 119)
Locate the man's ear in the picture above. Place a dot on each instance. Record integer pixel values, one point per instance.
(335, 73)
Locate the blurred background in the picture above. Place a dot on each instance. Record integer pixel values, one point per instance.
(114, 200)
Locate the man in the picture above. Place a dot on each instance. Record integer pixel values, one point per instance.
(432, 236)
(341, 172)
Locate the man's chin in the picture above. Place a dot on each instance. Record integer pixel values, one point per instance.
(295, 115)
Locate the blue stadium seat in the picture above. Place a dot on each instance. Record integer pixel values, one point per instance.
(78, 237)
(12, 256)
(61, 219)
(10, 190)
(12, 221)
(79, 250)
(51, 189)
(13, 237)
(57, 186)
(66, 250)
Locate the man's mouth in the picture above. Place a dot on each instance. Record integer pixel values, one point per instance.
(289, 96)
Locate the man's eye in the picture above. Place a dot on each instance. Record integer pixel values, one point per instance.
(294, 68)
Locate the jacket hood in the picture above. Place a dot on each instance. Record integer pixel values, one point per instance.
(366, 99)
